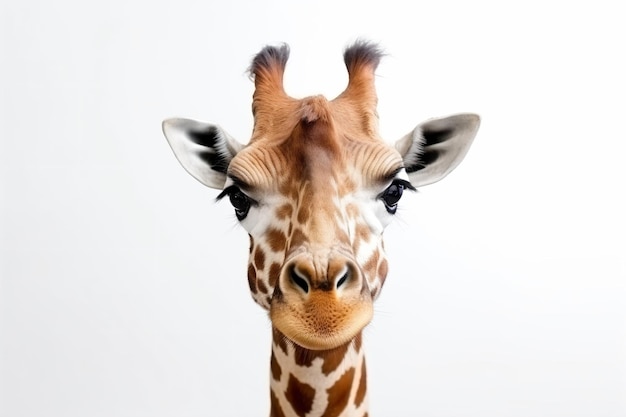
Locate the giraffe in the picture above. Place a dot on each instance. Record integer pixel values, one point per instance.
(314, 187)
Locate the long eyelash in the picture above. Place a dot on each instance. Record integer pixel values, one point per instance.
(231, 189)
(226, 192)
(405, 184)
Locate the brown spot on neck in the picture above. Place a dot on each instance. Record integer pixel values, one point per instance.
(275, 368)
(339, 394)
(279, 339)
(275, 409)
(358, 342)
(299, 395)
(362, 389)
(331, 358)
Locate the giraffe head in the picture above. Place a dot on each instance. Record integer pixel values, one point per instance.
(314, 188)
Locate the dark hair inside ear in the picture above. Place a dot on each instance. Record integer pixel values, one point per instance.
(207, 137)
(426, 158)
(210, 138)
(216, 161)
(431, 136)
(435, 136)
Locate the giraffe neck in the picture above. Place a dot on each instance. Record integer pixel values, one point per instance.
(317, 383)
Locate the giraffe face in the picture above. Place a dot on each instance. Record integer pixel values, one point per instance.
(314, 188)
(315, 205)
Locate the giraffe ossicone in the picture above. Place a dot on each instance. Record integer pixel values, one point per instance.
(314, 187)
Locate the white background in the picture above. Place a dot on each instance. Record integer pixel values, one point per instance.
(123, 288)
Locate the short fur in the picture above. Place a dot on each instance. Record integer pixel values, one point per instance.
(315, 188)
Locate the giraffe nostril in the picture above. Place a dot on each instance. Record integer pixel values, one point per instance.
(299, 281)
(343, 279)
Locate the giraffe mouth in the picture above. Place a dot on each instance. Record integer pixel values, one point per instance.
(323, 322)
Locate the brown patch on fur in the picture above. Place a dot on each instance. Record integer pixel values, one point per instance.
(284, 212)
(275, 410)
(304, 213)
(347, 184)
(358, 342)
(299, 395)
(305, 357)
(274, 274)
(342, 237)
(279, 339)
(252, 278)
(297, 238)
(275, 368)
(370, 266)
(276, 239)
(259, 259)
(251, 243)
(261, 286)
(331, 358)
(352, 210)
(363, 232)
(339, 394)
(289, 187)
(383, 269)
(361, 390)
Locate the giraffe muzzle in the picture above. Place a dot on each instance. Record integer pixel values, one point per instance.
(323, 302)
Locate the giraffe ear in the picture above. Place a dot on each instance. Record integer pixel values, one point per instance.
(435, 147)
(203, 149)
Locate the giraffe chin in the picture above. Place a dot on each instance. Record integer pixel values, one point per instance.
(318, 332)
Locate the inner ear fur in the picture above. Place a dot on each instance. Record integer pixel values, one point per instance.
(435, 147)
(203, 149)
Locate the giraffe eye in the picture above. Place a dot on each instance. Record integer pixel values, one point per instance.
(393, 194)
(239, 201)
